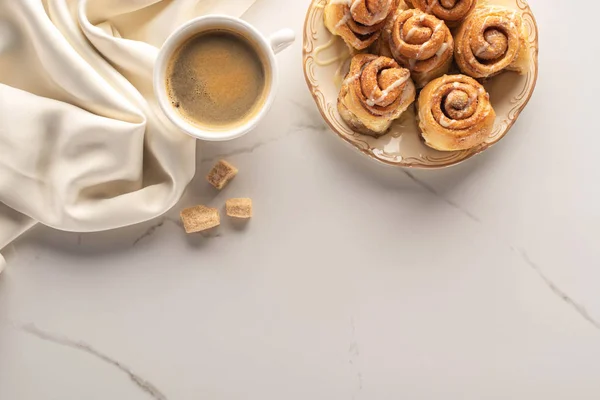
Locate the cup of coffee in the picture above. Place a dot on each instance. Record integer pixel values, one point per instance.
(216, 76)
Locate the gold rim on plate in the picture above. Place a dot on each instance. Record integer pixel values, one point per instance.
(327, 104)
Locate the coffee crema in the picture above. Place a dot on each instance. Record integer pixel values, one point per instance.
(217, 80)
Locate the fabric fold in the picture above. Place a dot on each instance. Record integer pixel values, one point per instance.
(83, 144)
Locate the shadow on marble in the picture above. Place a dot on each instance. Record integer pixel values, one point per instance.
(114, 242)
(389, 176)
(204, 239)
(239, 224)
(429, 186)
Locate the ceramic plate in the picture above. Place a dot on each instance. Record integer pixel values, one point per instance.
(326, 61)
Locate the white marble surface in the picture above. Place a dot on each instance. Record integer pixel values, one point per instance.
(353, 281)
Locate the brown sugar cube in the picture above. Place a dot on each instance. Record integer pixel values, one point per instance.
(221, 174)
(199, 218)
(239, 208)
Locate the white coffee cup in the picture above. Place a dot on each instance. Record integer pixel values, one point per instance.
(268, 47)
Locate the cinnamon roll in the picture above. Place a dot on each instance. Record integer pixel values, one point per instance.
(375, 92)
(455, 113)
(420, 42)
(358, 22)
(491, 40)
(453, 12)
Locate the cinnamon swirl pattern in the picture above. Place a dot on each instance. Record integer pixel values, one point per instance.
(403, 144)
(422, 43)
(491, 40)
(375, 92)
(455, 113)
(453, 12)
(358, 22)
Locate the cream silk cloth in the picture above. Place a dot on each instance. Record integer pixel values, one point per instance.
(83, 144)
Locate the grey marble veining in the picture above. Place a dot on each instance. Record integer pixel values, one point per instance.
(353, 280)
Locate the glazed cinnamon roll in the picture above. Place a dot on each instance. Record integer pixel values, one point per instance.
(375, 92)
(358, 22)
(453, 12)
(491, 40)
(420, 42)
(455, 113)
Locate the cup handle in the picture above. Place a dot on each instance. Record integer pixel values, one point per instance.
(282, 39)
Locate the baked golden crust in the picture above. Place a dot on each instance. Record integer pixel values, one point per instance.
(453, 12)
(455, 113)
(420, 42)
(200, 218)
(358, 22)
(375, 92)
(239, 208)
(221, 174)
(491, 40)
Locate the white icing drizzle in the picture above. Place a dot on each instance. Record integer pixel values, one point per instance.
(339, 76)
(404, 96)
(485, 20)
(413, 61)
(418, 56)
(413, 30)
(461, 114)
(351, 79)
(352, 4)
(385, 93)
(487, 111)
(512, 19)
(323, 47)
(482, 49)
(445, 121)
(411, 33)
(383, 13)
(380, 15)
(486, 45)
(431, 5)
(470, 101)
(442, 49)
(343, 21)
